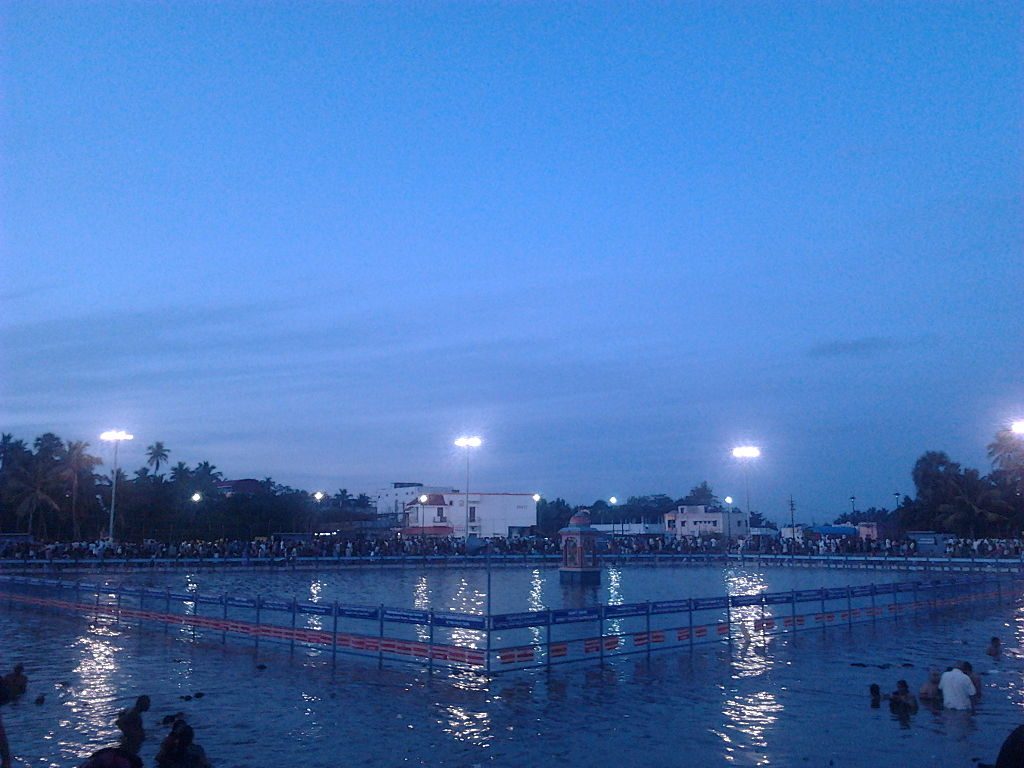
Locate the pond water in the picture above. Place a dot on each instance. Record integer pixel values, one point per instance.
(795, 700)
(512, 589)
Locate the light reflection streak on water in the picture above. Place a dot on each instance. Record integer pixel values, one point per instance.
(1018, 634)
(467, 600)
(749, 714)
(189, 608)
(316, 589)
(614, 626)
(97, 669)
(421, 602)
(535, 601)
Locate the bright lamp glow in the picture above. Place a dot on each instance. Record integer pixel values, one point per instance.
(197, 497)
(536, 497)
(1017, 427)
(746, 452)
(613, 500)
(728, 499)
(113, 435)
(319, 495)
(423, 499)
(469, 442)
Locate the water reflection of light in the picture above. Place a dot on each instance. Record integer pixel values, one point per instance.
(750, 715)
(750, 645)
(535, 600)
(465, 599)
(421, 601)
(96, 670)
(614, 626)
(316, 589)
(467, 726)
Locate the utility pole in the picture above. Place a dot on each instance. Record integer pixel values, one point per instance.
(853, 504)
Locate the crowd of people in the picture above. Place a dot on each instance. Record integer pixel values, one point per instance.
(177, 750)
(335, 546)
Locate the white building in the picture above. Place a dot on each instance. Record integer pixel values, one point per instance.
(700, 521)
(489, 514)
(392, 501)
(631, 529)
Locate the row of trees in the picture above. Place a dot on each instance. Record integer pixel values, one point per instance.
(961, 500)
(53, 490)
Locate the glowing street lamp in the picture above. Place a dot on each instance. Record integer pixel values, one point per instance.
(197, 497)
(319, 496)
(467, 442)
(114, 436)
(536, 497)
(1017, 427)
(728, 520)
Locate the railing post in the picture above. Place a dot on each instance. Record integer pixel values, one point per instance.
(873, 617)
(167, 609)
(259, 610)
(896, 602)
(648, 629)
(430, 641)
(117, 609)
(195, 613)
(224, 629)
(689, 611)
(600, 633)
(849, 606)
(547, 638)
(291, 642)
(792, 607)
(380, 637)
(334, 637)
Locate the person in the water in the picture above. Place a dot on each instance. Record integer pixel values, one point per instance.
(929, 691)
(129, 722)
(995, 648)
(902, 699)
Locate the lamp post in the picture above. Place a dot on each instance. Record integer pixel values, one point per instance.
(114, 436)
(853, 505)
(728, 523)
(746, 453)
(467, 442)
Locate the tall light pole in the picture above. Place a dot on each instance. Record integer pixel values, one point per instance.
(114, 436)
(853, 505)
(467, 442)
(728, 523)
(746, 453)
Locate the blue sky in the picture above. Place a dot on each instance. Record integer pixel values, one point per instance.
(318, 241)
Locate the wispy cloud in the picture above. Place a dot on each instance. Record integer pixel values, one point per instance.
(867, 346)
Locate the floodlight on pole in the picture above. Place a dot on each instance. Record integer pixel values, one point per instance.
(197, 497)
(114, 436)
(319, 496)
(536, 497)
(467, 442)
(746, 452)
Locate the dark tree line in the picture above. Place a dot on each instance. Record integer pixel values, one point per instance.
(954, 499)
(54, 490)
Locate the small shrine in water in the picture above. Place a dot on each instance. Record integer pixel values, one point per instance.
(579, 552)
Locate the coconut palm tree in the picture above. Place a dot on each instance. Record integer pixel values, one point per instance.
(975, 505)
(32, 486)
(1007, 455)
(74, 463)
(156, 455)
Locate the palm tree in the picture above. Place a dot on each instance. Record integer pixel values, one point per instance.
(975, 504)
(74, 462)
(1007, 455)
(180, 473)
(32, 485)
(157, 454)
